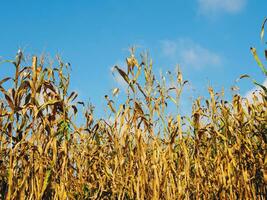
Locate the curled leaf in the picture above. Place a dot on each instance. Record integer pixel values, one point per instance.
(243, 76)
(4, 80)
(75, 110)
(81, 103)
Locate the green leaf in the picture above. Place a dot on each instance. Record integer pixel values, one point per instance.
(8, 61)
(46, 181)
(173, 100)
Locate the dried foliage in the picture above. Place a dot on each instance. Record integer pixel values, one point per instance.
(144, 153)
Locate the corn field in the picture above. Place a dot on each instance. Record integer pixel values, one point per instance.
(217, 152)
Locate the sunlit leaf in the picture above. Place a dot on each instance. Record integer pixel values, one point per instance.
(115, 91)
(255, 55)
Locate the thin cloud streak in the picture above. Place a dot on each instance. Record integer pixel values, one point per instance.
(190, 54)
(215, 7)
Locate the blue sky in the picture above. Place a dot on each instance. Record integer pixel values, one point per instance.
(210, 39)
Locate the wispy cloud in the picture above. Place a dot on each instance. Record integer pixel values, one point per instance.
(256, 91)
(214, 7)
(190, 54)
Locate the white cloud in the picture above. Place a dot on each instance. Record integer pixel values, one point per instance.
(190, 54)
(208, 7)
(169, 48)
(256, 91)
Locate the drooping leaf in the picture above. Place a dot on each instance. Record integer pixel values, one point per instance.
(24, 85)
(9, 101)
(27, 99)
(72, 96)
(262, 28)
(75, 110)
(51, 102)
(185, 82)
(8, 61)
(261, 86)
(244, 76)
(255, 55)
(4, 80)
(110, 105)
(125, 77)
(81, 103)
(139, 108)
(141, 90)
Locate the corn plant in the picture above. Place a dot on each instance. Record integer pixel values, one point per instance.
(216, 152)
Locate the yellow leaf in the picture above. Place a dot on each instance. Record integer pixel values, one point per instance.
(115, 91)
